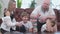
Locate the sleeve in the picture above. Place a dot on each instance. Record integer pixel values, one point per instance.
(43, 28)
(52, 13)
(35, 11)
(8, 22)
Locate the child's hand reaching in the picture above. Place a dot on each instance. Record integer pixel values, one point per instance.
(18, 24)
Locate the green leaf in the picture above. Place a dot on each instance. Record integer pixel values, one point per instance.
(19, 2)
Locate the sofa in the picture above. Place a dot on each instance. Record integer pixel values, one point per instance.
(18, 12)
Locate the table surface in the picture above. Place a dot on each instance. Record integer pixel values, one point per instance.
(15, 32)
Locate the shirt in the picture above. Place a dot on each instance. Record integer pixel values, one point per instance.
(43, 28)
(39, 11)
(7, 24)
(28, 24)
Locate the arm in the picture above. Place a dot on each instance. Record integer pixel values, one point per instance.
(9, 23)
(48, 25)
(52, 14)
(35, 12)
(30, 27)
(55, 28)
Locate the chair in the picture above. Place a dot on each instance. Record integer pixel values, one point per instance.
(57, 12)
(18, 11)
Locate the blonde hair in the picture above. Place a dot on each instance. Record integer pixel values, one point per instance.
(10, 4)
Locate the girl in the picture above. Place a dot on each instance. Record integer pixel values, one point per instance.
(7, 24)
(50, 26)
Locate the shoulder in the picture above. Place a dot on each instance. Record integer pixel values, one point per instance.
(6, 18)
(50, 8)
(38, 7)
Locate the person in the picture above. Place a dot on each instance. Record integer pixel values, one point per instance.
(34, 23)
(53, 26)
(25, 22)
(43, 12)
(7, 23)
(12, 8)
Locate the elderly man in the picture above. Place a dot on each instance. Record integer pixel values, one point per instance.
(43, 12)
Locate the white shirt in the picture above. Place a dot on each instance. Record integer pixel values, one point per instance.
(38, 11)
(28, 24)
(7, 24)
(43, 28)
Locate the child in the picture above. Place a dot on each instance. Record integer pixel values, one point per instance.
(7, 23)
(25, 22)
(50, 26)
(34, 23)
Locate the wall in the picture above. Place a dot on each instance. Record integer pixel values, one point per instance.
(4, 5)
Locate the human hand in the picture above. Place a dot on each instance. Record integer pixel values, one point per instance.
(43, 19)
(19, 24)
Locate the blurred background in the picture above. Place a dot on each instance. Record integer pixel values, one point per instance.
(27, 4)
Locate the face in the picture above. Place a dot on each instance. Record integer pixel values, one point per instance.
(45, 5)
(33, 20)
(14, 5)
(7, 13)
(25, 18)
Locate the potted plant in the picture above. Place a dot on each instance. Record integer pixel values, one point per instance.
(19, 2)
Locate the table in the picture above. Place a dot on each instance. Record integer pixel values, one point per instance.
(15, 32)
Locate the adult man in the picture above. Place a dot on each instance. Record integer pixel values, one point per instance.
(43, 12)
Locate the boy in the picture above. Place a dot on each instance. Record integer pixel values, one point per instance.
(25, 22)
